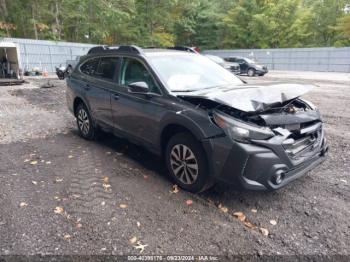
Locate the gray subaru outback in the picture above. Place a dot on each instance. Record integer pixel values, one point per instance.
(205, 123)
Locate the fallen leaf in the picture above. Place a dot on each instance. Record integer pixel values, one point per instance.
(23, 204)
(105, 179)
(26, 160)
(223, 208)
(189, 202)
(249, 225)
(264, 231)
(140, 246)
(59, 179)
(106, 186)
(133, 240)
(58, 210)
(34, 182)
(273, 222)
(254, 210)
(123, 205)
(33, 162)
(240, 216)
(70, 156)
(67, 237)
(175, 189)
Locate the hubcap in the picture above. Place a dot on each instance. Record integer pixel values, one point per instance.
(83, 121)
(184, 164)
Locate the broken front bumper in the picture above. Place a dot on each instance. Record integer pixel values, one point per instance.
(256, 166)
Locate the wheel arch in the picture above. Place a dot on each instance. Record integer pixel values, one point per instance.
(78, 100)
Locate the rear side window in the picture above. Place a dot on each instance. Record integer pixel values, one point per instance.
(107, 67)
(90, 66)
(230, 59)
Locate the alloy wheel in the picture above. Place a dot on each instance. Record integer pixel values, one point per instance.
(83, 122)
(184, 164)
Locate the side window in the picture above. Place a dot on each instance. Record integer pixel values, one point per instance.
(107, 67)
(90, 66)
(134, 71)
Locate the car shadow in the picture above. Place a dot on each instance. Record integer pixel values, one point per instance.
(220, 193)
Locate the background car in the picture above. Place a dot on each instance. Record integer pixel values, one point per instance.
(248, 66)
(230, 66)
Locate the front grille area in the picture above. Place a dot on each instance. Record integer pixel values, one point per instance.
(303, 142)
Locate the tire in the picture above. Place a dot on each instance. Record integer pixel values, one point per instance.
(251, 72)
(69, 70)
(190, 172)
(85, 124)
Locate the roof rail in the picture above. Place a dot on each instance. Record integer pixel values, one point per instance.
(115, 49)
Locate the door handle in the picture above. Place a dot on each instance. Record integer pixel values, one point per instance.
(116, 96)
(87, 87)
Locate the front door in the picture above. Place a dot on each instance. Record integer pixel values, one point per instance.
(137, 115)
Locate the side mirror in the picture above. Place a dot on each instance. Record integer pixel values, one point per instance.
(138, 87)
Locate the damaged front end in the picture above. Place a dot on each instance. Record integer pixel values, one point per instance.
(293, 131)
(296, 123)
(271, 147)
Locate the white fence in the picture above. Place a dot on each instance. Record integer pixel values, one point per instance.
(47, 54)
(326, 59)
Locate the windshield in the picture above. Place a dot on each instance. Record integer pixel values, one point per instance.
(216, 59)
(250, 61)
(190, 72)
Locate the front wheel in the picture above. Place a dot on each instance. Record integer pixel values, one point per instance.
(187, 163)
(84, 122)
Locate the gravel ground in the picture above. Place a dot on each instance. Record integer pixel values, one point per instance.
(62, 195)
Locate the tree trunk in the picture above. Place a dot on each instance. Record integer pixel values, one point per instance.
(58, 26)
(3, 9)
(34, 21)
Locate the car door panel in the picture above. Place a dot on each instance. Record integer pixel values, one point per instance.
(137, 115)
(99, 89)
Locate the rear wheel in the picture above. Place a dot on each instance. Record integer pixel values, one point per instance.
(251, 72)
(84, 122)
(187, 163)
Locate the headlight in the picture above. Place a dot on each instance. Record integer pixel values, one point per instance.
(240, 131)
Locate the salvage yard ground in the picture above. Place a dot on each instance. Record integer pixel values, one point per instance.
(61, 194)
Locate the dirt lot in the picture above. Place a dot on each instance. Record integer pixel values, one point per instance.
(60, 194)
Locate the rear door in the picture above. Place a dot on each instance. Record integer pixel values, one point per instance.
(137, 115)
(243, 65)
(99, 85)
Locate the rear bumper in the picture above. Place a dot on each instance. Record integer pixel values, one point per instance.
(256, 166)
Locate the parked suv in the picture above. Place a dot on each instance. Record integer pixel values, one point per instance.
(206, 124)
(232, 67)
(248, 66)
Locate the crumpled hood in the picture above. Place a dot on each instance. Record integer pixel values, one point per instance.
(252, 98)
